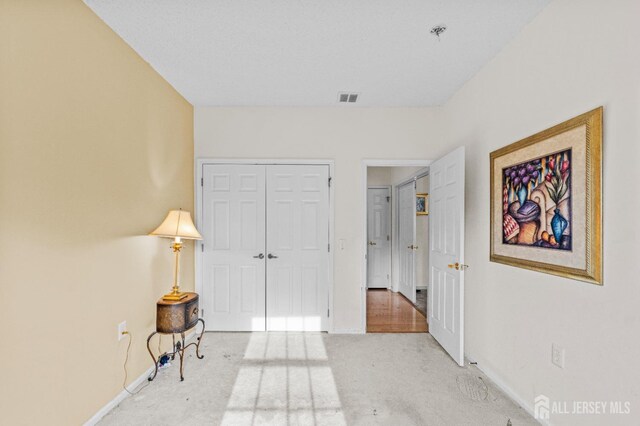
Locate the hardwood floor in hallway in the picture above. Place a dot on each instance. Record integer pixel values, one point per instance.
(389, 312)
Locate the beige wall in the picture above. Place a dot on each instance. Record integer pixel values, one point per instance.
(575, 56)
(346, 135)
(95, 147)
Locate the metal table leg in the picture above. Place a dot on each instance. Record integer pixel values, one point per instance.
(181, 353)
(199, 338)
(179, 347)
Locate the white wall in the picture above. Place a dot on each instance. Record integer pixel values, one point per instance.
(346, 135)
(402, 174)
(576, 55)
(379, 176)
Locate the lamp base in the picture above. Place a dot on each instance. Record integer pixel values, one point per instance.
(174, 296)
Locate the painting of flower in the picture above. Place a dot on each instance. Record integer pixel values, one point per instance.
(546, 200)
(537, 202)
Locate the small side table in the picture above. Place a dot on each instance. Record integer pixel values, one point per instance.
(176, 317)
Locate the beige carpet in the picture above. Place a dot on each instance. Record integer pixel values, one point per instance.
(319, 379)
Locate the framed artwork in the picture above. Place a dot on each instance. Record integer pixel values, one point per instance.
(422, 204)
(546, 193)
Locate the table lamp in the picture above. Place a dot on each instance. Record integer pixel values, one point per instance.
(177, 225)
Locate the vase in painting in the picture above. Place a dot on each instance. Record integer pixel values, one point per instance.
(558, 225)
(521, 193)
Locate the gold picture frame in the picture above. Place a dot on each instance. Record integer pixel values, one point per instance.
(422, 204)
(545, 202)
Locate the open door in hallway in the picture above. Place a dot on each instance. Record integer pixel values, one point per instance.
(446, 253)
(407, 240)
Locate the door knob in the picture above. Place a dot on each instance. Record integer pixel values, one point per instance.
(371, 243)
(260, 256)
(412, 247)
(270, 256)
(458, 266)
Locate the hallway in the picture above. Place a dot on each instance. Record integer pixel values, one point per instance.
(389, 312)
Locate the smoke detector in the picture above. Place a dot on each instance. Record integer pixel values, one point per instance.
(437, 30)
(344, 97)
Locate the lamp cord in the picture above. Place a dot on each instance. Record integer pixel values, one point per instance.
(124, 382)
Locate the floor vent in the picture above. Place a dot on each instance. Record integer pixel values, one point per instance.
(473, 387)
(345, 98)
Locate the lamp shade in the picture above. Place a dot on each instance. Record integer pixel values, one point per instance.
(178, 223)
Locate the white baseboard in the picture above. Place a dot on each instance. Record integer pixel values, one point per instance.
(118, 399)
(124, 394)
(499, 382)
(422, 287)
(347, 331)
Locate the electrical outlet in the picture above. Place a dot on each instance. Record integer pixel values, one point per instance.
(557, 355)
(122, 330)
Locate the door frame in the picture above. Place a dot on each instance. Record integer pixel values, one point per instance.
(364, 165)
(391, 201)
(197, 188)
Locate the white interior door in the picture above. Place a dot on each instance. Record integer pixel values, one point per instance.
(378, 237)
(446, 253)
(406, 240)
(297, 247)
(233, 227)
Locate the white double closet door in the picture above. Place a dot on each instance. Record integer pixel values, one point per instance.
(265, 251)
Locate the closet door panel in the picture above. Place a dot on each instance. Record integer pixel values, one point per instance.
(233, 227)
(297, 247)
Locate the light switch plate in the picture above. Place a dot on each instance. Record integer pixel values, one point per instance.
(122, 327)
(557, 355)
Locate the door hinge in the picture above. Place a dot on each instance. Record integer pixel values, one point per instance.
(202, 313)
(201, 181)
(387, 277)
(329, 247)
(327, 312)
(202, 247)
(330, 178)
(387, 238)
(388, 198)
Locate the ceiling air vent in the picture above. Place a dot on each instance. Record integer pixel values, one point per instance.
(345, 98)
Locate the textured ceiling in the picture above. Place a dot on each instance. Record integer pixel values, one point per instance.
(303, 52)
